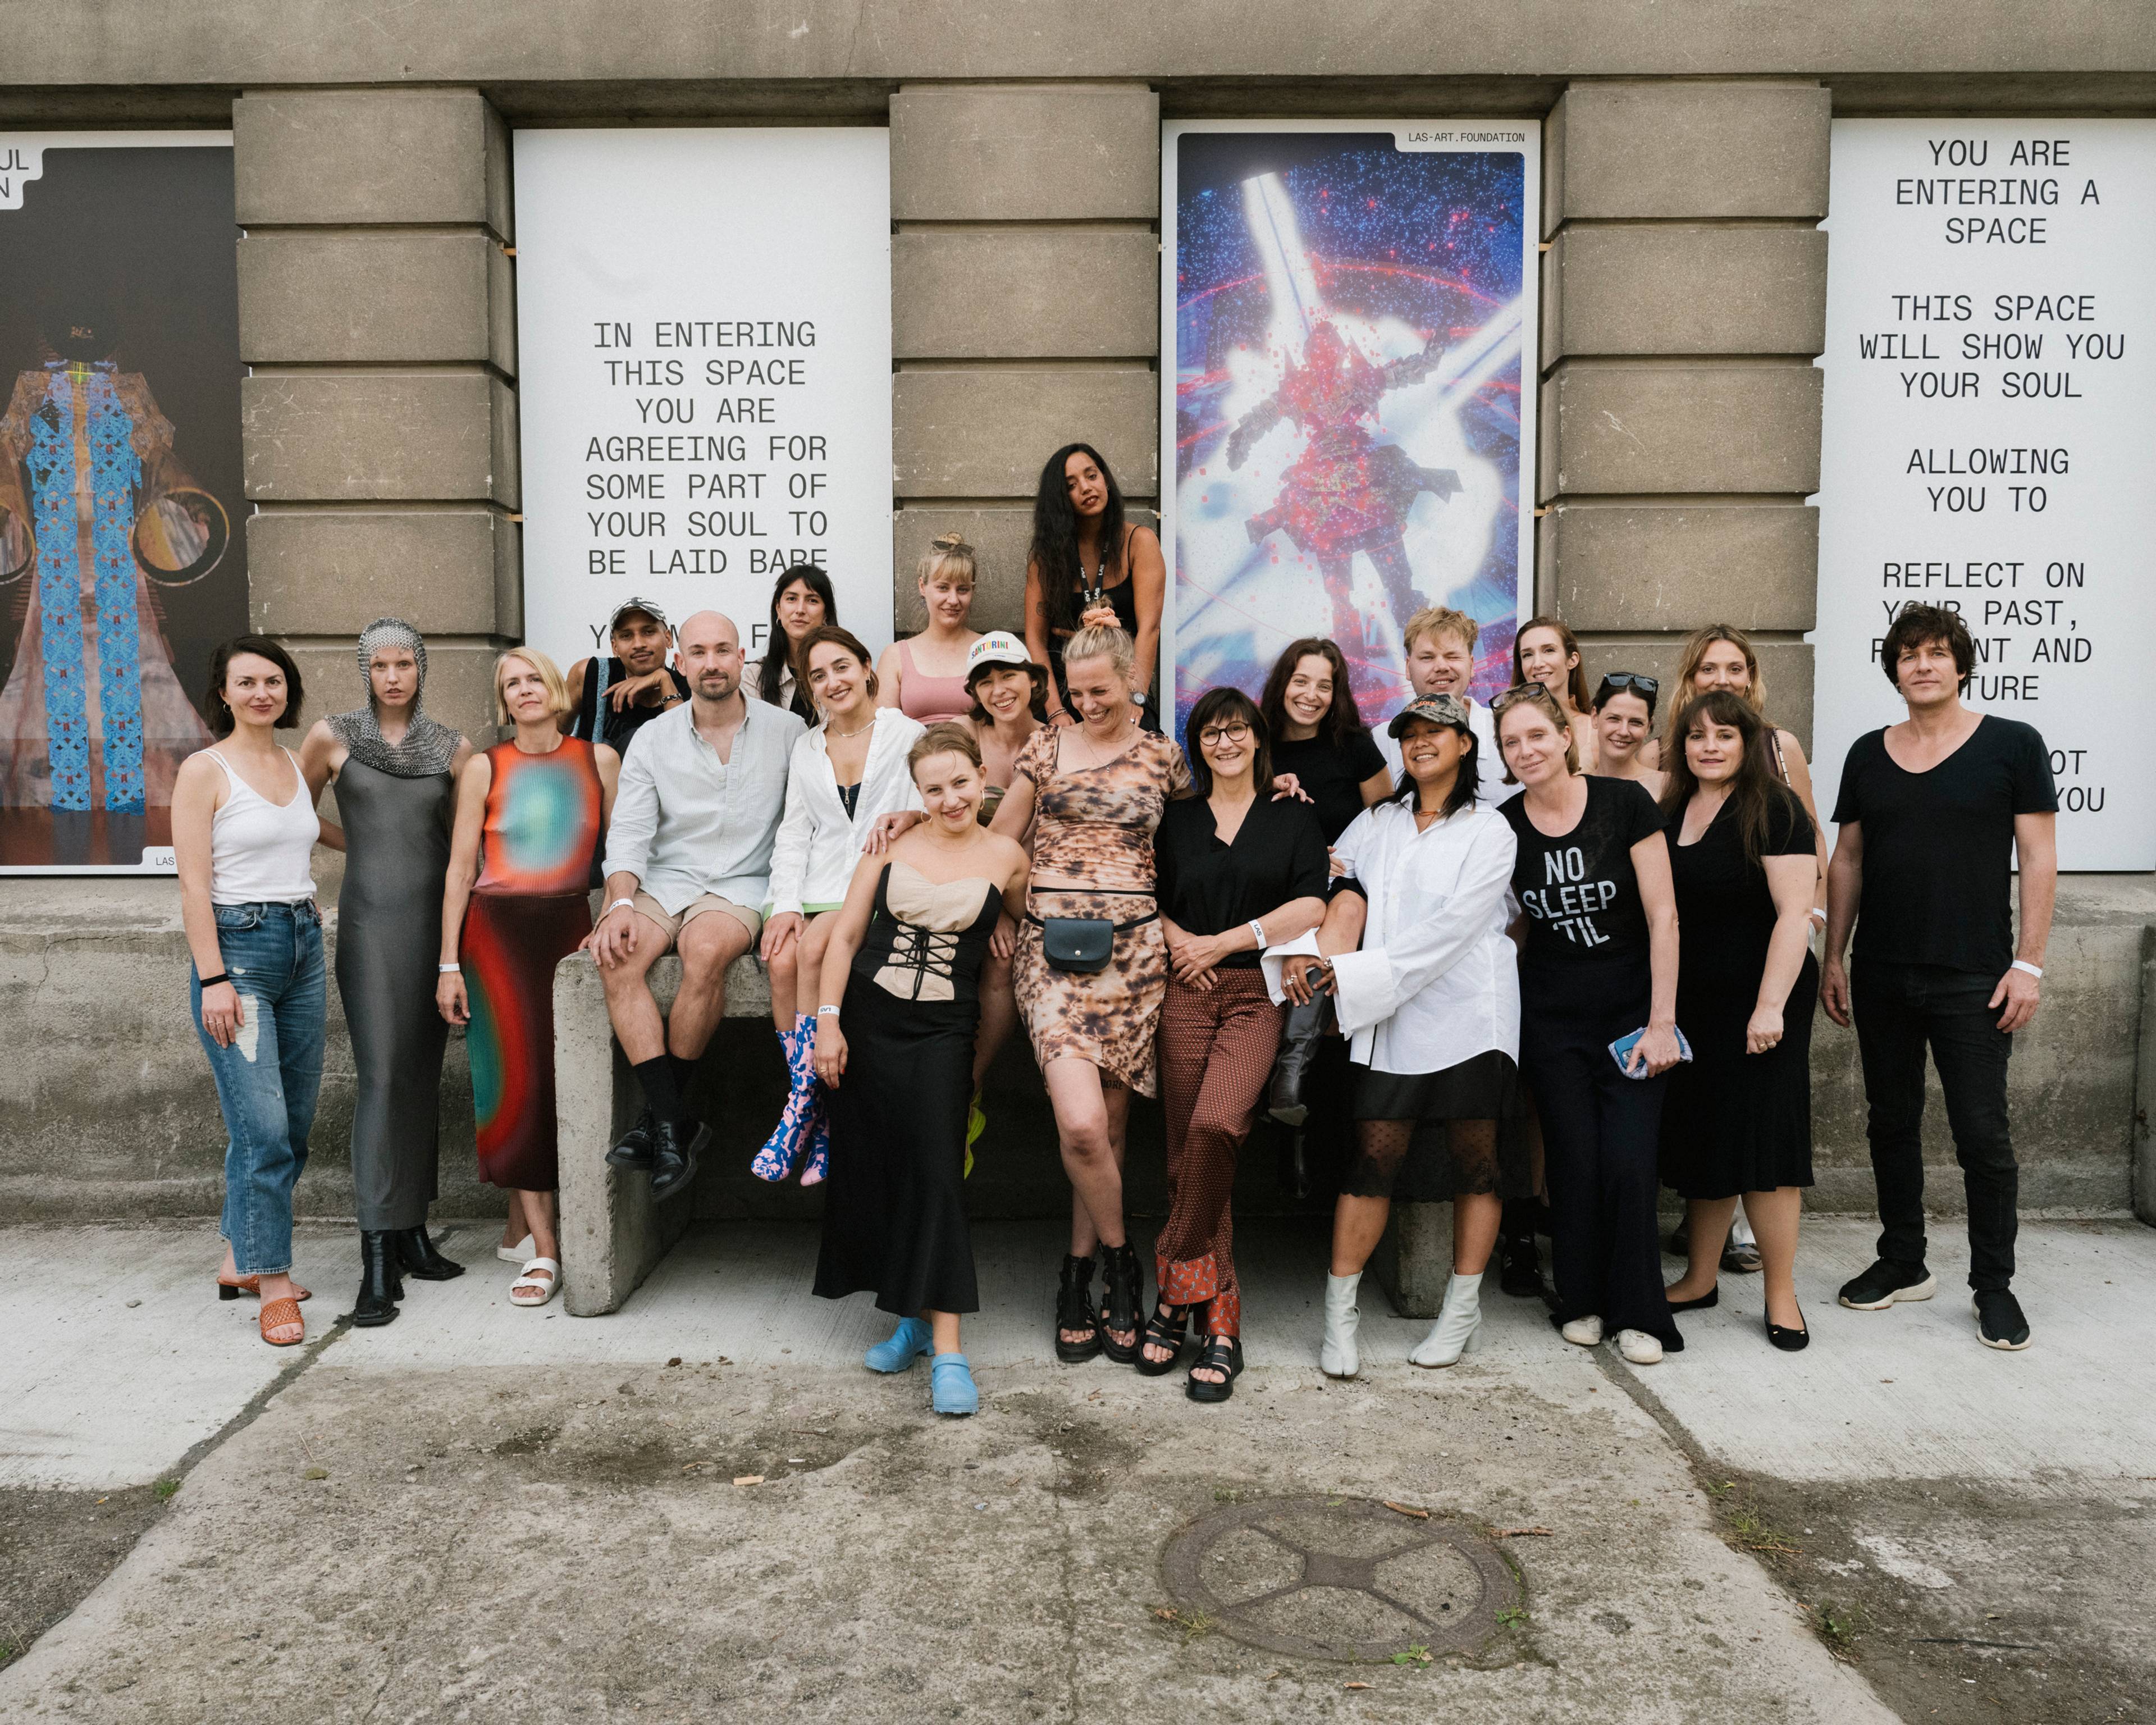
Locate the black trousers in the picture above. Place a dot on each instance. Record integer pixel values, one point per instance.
(1901, 1009)
(1601, 1144)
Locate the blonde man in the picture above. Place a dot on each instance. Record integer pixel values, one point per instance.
(1440, 644)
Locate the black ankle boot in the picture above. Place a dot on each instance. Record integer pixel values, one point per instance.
(379, 1287)
(418, 1256)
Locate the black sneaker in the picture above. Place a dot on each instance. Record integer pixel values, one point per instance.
(673, 1162)
(634, 1149)
(1520, 1267)
(1885, 1283)
(1999, 1320)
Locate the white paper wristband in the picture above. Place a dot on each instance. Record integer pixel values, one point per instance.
(1258, 929)
(621, 904)
(2033, 970)
(450, 969)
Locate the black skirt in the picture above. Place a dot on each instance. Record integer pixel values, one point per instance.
(1732, 1122)
(1484, 1087)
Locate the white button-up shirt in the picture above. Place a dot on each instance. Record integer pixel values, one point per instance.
(686, 823)
(1436, 981)
(1490, 787)
(818, 843)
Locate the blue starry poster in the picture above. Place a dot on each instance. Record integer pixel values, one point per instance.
(122, 555)
(1350, 309)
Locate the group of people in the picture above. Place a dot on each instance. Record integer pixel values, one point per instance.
(1565, 954)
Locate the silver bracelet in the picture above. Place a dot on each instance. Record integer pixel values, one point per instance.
(2035, 971)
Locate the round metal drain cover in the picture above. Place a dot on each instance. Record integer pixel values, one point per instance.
(1339, 1578)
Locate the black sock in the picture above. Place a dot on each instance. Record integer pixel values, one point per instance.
(685, 1075)
(662, 1095)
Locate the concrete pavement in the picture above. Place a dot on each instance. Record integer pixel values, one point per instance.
(488, 1513)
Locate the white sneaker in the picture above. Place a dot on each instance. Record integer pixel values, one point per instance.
(1583, 1332)
(1336, 1357)
(1459, 1326)
(1640, 1348)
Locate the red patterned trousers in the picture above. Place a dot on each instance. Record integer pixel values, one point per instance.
(1216, 1054)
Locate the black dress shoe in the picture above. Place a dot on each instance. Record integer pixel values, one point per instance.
(1794, 1341)
(1712, 1296)
(634, 1149)
(379, 1288)
(417, 1256)
(1520, 1267)
(676, 1146)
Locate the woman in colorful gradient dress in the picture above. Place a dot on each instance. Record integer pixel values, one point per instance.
(540, 802)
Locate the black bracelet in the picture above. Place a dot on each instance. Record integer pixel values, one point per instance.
(211, 982)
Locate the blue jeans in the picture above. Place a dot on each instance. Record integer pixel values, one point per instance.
(268, 1080)
(1901, 1009)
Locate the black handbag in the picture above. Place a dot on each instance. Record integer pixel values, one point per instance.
(1081, 946)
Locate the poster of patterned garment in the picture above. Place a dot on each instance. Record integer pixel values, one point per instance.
(1350, 310)
(122, 561)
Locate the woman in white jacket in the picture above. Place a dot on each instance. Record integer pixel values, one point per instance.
(1432, 1002)
(847, 771)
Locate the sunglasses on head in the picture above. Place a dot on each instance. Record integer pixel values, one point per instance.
(1645, 686)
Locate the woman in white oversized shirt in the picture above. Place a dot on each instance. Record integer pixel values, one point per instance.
(845, 773)
(1431, 1003)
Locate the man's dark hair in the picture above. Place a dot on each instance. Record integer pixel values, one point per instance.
(218, 712)
(1926, 625)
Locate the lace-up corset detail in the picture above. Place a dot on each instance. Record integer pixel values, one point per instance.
(920, 936)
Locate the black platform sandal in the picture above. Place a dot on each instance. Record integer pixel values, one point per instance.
(1122, 1295)
(1074, 1310)
(1164, 1330)
(1220, 1354)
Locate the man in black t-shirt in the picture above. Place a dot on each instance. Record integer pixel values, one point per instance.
(1931, 812)
(611, 698)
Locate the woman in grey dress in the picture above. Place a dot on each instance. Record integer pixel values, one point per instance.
(395, 773)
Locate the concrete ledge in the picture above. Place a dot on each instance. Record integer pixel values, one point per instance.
(991, 293)
(976, 433)
(448, 571)
(1608, 565)
(1684, 288)
(612, 1233)
(360, 436)
(358, 296)
(1039, 153)
(1611, 427)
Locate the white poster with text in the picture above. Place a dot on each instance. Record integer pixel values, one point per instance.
(1990, 404)
(704, 333)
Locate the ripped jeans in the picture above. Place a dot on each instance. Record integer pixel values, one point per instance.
(268, 1080)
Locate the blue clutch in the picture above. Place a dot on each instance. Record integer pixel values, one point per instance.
(1620, 1050)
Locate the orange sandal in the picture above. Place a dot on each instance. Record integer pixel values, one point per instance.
(282, 1314)
(250, 1284)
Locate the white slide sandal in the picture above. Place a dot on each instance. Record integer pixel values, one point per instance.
(529, 1283)
(519, 1253)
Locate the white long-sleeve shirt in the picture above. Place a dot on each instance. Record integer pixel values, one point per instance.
(818, 844)
(1436, 981)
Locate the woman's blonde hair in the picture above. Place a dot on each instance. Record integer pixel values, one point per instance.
(1695, 649)
(1533, 695)
(946, 737)
(550, 674)
(948, 554)
(1103, 639)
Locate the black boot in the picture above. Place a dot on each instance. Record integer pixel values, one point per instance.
(1294, 1167)
(1298, 1047)
(379, 1287)
(675, 1147)
(417, 1256)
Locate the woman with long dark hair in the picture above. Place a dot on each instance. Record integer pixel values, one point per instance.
(801, 602)
(1318, 736)
(244, 831)
(1546, 652)
(1432, 1000)
(1088, 569)
(1738, 1121)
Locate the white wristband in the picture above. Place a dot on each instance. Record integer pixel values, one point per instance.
(827, 1012)
(619, 904)
(450, 969)
(1258, 929)
(1818, 915)
(2023, 964)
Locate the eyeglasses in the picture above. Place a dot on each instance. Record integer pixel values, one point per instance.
(1235, 730)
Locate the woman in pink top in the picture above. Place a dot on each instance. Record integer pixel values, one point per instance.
(924, 677)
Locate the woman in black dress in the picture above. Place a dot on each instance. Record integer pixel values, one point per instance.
(1739, 1119)
(1598, 968)
(1089, 568)
(894, 1028)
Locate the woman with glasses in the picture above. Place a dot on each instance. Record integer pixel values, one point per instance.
(1238, 871)
(1624, 726)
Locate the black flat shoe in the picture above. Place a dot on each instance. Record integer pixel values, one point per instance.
(673, 1162)
(379, 1288)
(634, 1149)
(1220, 1354)
(417, 1256)
(1712, 1296)
(1794, 1341)
(1164, 1330)
(1123, 1297)
(1074, 1310)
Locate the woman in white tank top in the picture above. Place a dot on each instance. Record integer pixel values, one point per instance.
(245, 830)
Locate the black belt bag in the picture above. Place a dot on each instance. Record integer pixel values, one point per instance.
(1081, 946)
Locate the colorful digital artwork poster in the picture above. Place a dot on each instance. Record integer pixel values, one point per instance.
(1351, 313)
(122, 557)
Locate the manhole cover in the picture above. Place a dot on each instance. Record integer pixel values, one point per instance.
(1339, 1579)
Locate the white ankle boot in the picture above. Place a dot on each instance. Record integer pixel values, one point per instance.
(1459, 1326)
(1335, 1355)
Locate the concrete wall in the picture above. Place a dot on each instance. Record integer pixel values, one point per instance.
(1684, 291)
